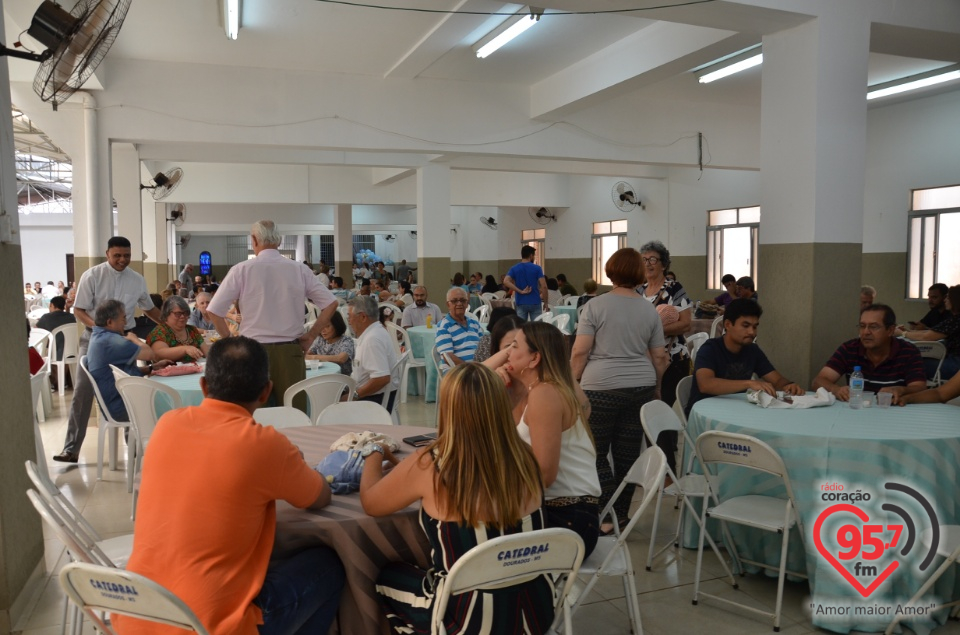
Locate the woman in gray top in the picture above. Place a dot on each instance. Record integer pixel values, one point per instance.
(619, 359)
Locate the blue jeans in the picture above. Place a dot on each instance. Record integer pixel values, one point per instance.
(529, 312)
(302, 593)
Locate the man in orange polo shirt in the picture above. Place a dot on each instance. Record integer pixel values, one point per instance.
(207, 511)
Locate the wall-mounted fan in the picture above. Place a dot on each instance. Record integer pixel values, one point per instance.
(184, 240)
(390, 237)
(624, 197)
(413, 234)
(490, 222)
(178, 214)
(76, 41)
(542, 215)
(164, 183)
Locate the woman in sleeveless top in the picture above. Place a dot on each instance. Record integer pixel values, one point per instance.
(551, 412)
(477, 481)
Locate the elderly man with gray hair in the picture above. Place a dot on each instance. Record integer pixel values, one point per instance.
(199, 317)
(375, 354)
(271, 291)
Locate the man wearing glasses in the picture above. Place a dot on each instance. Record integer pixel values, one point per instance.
(888, 363)
(458, 334)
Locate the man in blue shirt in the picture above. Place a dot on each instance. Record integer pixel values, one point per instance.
(528, 284)
(458, 334)
(726, 364)
(109, 346)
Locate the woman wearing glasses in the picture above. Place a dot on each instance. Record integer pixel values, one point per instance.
(173, 339)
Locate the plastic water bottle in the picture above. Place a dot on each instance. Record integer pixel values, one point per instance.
(856, 389)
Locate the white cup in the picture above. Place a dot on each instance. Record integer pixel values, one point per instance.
(884, 399)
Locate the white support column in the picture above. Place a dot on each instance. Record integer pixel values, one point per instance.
(433, 230)
(813, 166)
(343, 243)
(125, 166)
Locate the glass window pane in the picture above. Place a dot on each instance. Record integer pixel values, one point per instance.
(618, 227)
(755, 238)
(540, 233)
(948, 256)
(723, 217)
(712, 280)
(737, 248)
(608, 245)
(936, 198)
(915, 252)
(749, 214)
(527, 234)
(601, 228)
(929, 253)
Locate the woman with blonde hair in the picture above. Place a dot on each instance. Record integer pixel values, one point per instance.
(477, 481)
(551, 413)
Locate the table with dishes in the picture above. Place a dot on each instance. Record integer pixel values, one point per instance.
(364, 544)
(833, 449)
(188, 386)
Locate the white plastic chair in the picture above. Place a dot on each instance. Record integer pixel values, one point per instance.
(948, 547)
(489, 297)
(717, 327)
(485, 567)
(399, 370)
(611, 556)
(140, 397)
(40, 340)
(70, 354)
(482, 313)
(499, 295)
(571, 300)
(345, 314)
(83, 582)
(355, 412)
(657, 417)
(932, 350)
(281, 417)
(312, 312)
(36, 385)
(562, 322)
(684, 386)
(107, 423)
(321, 392)
(418, 364)
(397, 315)
(546, 316)
(694, 342)
(766, 513)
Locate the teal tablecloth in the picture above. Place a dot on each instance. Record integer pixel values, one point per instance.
(918, 445)
(568, 310)
(422, 341)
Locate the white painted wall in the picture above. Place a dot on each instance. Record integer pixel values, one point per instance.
(46, 239)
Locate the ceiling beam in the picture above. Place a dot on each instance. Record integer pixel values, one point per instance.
(245, 153)
(556, 166)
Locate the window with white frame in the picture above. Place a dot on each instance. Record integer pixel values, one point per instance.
(732, 238)
(608, 237)
(534, 238)
(932, 253)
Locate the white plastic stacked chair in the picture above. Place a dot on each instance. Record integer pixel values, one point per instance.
(281, 417)
(40, 340)
(69, 356)
(36, 385)
(142, 397)
(355, 412)
(716, 328)
(657, 417)
(766, 513)
(83, 582)
(611, 556)
(485, 568)
(396, 315)
(418, 364)
(399, 370)
(321, 392)
(107, 423)
(546, 316)
(694, 342)
(562, 322)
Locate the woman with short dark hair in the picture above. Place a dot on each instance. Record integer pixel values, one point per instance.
(333, 346)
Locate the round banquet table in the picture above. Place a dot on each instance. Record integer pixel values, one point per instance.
(422, 340)
(188, 386)
(918, 445)
(364, 544)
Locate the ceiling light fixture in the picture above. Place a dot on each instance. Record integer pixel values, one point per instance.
(736, 67)
(231, 18)
(913, 82)
(507, 31)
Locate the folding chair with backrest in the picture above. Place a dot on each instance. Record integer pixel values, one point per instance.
(611, 556)
(36, 386)
(360, 412)
(42, 339)
(933, 350)
(145, 400)
(102, 589)
(767, 513)
(571, 300)
(546, 316)
(281, 417)
(684, 386)
(948, 547)
(69, 356)
(694, 342)
(657, 417)
(485, 568)
(321, 392)
(107, 422)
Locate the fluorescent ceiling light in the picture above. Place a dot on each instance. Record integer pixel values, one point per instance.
(914, 82)
(515, 29)
(726, 71)
(231, 18)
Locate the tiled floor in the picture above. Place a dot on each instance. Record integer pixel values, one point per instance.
(664, 594)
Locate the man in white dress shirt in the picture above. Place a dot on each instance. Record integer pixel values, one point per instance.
(375, 354)
(270, 291)
(416, 315)
(110, 280)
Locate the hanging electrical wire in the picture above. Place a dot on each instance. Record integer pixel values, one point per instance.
(364, 5)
